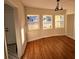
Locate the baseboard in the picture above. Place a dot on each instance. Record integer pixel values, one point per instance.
(70, 37)
(44, 37)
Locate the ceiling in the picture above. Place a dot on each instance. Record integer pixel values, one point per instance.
(69, 5)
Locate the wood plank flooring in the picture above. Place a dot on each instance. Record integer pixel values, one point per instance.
(56, 47)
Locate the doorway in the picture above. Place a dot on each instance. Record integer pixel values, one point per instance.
(10, 34)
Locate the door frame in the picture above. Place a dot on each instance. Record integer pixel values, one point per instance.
(15, 7)
(5, 47)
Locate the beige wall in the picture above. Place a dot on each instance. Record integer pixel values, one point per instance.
(33, 35)
(70, 26)
(19, 17)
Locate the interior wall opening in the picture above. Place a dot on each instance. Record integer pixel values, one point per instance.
(10, 32)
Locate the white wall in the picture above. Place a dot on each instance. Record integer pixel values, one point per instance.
(70, 26)
(34, 35)
(9, 23)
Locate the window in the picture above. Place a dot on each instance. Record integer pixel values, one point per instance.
(47, 22)
(59, 21)
(33, 22)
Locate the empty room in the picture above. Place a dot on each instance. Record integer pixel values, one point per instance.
(39, 29)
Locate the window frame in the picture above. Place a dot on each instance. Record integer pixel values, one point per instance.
(37, 22)
(60, 22)
(51, 22)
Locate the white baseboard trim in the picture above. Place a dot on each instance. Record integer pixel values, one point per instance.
(70, 37)
(44, 37)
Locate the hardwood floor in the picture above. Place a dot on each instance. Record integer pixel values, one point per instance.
(57, 47)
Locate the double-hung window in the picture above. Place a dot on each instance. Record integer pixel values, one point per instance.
(59, 21)
(33, 22)
(47, 21)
